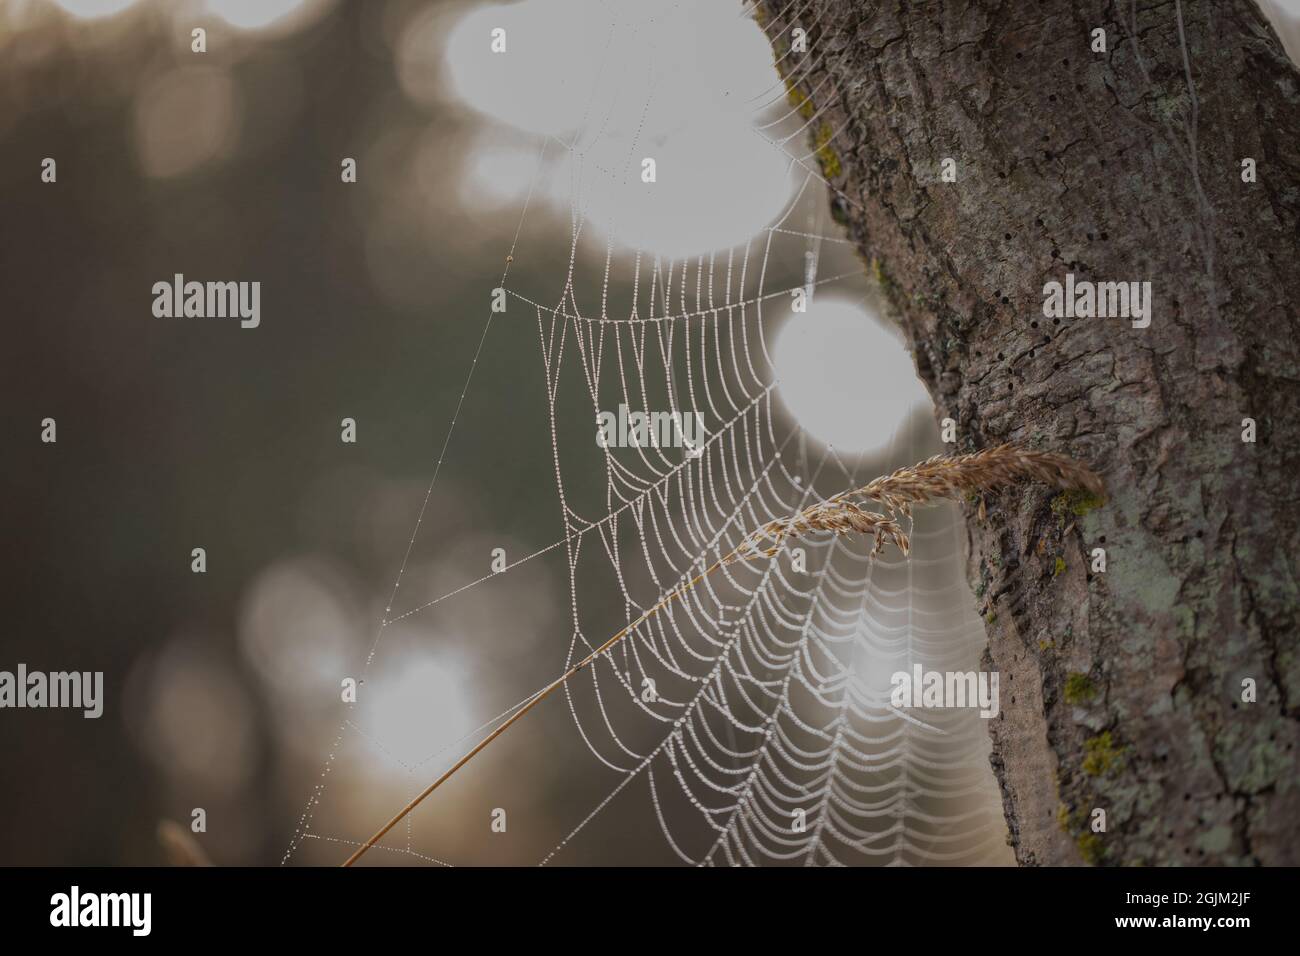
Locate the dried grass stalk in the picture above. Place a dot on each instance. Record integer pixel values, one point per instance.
(180, 846)
(944, 476)
(839, 516)
(959, 475)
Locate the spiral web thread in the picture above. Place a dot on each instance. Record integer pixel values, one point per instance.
(755, 709)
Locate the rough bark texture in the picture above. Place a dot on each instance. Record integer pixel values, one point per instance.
(1122, 690)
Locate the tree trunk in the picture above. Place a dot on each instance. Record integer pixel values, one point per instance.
(1123, 689)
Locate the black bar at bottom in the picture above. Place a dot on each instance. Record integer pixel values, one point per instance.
(558, 907)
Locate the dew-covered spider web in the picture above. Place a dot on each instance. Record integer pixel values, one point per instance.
(754, 710)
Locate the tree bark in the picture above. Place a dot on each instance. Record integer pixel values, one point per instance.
(1123, 688)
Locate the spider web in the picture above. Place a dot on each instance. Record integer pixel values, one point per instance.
(754, 710)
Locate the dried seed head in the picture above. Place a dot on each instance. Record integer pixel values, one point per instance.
(936, 478)
(960, 475)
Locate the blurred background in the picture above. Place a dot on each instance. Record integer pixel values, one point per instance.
(223, 688)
